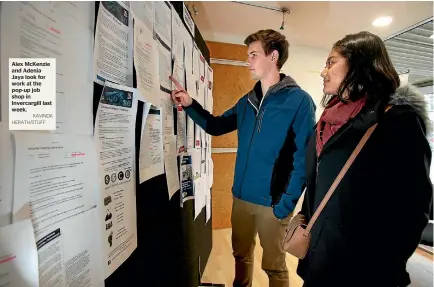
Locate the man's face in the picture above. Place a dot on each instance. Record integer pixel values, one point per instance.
(260, 65)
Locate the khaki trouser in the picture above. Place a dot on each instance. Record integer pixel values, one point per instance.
(248, 219)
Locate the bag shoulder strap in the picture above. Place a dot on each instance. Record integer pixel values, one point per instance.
(342, 174)
(339, 177)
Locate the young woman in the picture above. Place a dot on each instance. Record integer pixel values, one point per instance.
(374, 220)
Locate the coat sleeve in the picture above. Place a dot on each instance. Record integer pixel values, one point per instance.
(213, 125)
(303, 128)
(400, 203)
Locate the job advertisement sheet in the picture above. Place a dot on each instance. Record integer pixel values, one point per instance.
(60, 30)
(69, 253)
(144, 10)
(18, 256)
(171, 165)
(54, 177)
(113, 53)
(115, 134)
(181, 133)
(165, 66)
(151, 146)
(177, 35)
(186, 176)
(162, 22)
(146, 63)
(168, 114)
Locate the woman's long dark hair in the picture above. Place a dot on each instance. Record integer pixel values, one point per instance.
(370, 70)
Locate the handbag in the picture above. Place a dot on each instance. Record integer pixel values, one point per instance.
(297, 237)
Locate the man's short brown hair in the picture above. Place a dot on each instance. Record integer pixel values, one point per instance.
(271, 40)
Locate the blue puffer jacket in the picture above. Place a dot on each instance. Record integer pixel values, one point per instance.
(272, 136)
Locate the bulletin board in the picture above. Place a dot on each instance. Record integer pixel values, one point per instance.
(173, 247)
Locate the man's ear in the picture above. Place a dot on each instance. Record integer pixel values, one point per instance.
(274, 56)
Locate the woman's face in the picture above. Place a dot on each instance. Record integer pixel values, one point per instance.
(334, 73)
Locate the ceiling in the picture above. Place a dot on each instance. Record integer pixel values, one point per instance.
(313, 24)
(320, 24)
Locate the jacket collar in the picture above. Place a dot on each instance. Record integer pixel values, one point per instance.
(407, 95)
(285, 82)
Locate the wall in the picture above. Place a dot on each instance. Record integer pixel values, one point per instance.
(231, 82)
(426, 90)
(305, 65)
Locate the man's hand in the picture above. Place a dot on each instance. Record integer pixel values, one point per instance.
(180, 96)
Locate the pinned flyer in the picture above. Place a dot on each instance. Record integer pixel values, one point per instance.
(32, 94)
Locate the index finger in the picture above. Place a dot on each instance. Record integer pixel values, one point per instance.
(177, 84)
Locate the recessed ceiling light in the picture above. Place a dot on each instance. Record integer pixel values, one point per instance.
(432, 36)
(382, 21)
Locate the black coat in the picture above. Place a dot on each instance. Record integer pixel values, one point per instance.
(373, 222)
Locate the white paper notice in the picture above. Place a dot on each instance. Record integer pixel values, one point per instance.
(190, 133)
(199, 202)
(70, 252)
(162, 22)
(210, 101)
(146, 63)
(18, 256)
(178, 71)
(210, 86)
(201, 100)
(195, 155)
(165, 67)
(6, 174)
(151, 146)
(144, 10)
(199, 196)
(168, 116)
(192, 85)
(115, 133)
(199, 132)
(113, 59)
(54, 177)
(188, 20)
(188, 52)
(60, 30)
(171, 165)
(177, 35)
(196, 60)
(202, 68)
(181, 131)
(186, 177)
(197, 136)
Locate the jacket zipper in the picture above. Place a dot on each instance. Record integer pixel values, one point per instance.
(260, 120)
(317, 172)
(248, 157)
(251, 139)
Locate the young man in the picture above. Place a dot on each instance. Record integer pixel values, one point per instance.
(274, 122)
